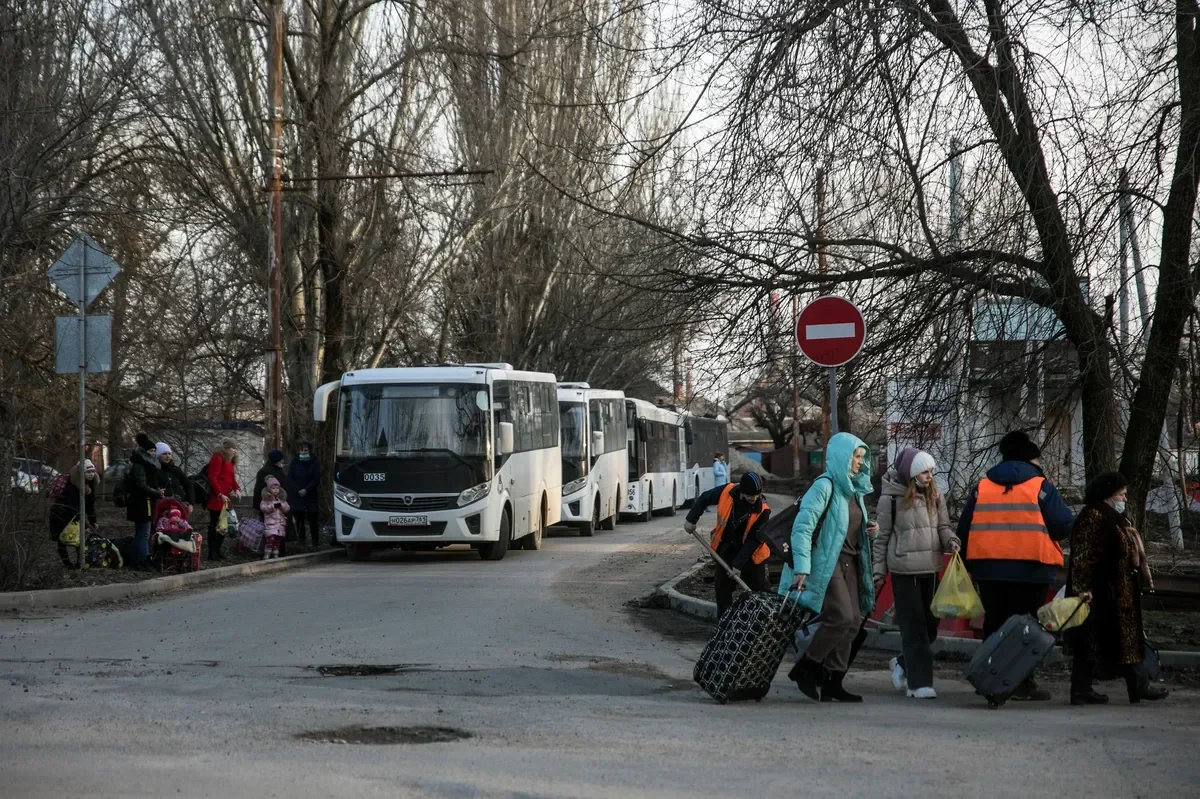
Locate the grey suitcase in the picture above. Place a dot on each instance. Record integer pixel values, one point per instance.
(1008, 657)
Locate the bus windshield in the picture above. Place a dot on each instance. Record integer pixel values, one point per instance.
(414, 420)
(573, 424)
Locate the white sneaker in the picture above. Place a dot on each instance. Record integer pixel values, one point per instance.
(898, 677)
(922, 693)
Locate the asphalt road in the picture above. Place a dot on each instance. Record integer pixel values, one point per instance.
(563, 690)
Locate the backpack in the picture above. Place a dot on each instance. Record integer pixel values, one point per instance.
(59, 487)
(120, 495)
(200, 486)
(777, 532)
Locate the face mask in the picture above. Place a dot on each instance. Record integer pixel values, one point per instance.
(1119, 507)
(304, 457)
(920, 482)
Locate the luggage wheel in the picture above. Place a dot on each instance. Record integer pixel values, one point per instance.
(993, 704)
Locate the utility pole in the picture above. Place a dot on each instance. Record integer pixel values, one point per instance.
(829, 420)
(1123, 237)
(274, 437)
(795, 389)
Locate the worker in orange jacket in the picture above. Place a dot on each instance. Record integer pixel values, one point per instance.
(741, 514)
(1011, 528)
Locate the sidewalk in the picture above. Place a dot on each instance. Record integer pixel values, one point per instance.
(91, 595)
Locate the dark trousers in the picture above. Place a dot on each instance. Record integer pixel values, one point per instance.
(215, 539)
(918, 626)
(309, 519)
(1002, 599)
(1083, 674)
(755, 576)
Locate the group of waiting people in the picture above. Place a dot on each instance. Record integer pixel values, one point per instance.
(154, 475)
(1011, 532)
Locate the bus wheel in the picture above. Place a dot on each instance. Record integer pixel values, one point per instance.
(611, 522)
(494, 550)
(649, 514)
(588, 529)
(674, 501)
(359, 552)
(533, 541)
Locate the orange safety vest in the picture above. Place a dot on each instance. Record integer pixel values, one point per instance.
(1008, 525)
(725, 510)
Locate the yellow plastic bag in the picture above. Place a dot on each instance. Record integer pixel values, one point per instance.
(70, 534)
(955, 597)
(223, 521)
(1063, 614)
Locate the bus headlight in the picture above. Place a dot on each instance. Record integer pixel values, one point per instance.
(574, 485)
(347, 496)
(474, 494)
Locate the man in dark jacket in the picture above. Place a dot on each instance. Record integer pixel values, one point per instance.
(274, 467)
(739, 539)
(1010, 530)
(305, 476)
(142, 490)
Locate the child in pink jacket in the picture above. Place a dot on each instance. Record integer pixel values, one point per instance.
(275, 511)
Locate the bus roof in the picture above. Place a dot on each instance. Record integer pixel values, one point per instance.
(442, 374)
(647, 410)
(585, 394)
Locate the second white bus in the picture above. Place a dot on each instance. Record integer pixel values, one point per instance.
(592, 421)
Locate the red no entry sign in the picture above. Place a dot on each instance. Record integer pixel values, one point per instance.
(830, 331)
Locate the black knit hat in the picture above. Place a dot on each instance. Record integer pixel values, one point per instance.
(1102, 487)
(145, 442)
(751, 484)
(1017, 446)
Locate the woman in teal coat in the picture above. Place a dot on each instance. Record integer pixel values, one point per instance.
(833, 572)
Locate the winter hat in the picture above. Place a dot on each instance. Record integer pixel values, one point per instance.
(921, 462)
(275, 456)
(272, 482)
(1102, 487)
(144, 442)
(750, 483)
(88, 466)
(161, 449)
(1017, 446)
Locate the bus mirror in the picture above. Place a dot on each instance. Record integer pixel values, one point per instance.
(687, 434)
(597, 442)
(481, 400)
(506, 438)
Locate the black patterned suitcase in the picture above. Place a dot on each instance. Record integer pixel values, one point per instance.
(743, 656)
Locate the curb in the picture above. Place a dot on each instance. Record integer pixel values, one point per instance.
(90, 595)
(887, 640)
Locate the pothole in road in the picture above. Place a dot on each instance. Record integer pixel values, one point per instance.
(384, 736)
(362, 669)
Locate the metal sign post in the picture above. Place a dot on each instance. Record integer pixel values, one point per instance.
(81, 275)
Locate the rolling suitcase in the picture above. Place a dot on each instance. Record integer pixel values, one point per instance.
(1007, 658)
(743, 656)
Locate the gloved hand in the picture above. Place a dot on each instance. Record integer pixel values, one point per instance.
(689, 527)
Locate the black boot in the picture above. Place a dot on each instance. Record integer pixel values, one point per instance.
(214, 547)
(832, 690)
(807, 675)
(1031, 692)
(1140, 687)
(1088, 697)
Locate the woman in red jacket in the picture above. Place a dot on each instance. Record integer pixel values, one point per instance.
(224, 488)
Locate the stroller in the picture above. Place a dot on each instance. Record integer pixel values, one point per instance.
(174, 545)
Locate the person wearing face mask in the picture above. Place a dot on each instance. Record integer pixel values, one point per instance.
(741, 514)
(914, 534)
(1011, 528)
(1108, 562)
(832, 567)
(305, 476)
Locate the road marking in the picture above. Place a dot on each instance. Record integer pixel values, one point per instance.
(818, 332)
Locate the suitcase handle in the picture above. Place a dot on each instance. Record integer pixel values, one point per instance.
(737, 578)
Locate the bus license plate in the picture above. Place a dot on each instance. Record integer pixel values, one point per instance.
(408, 520)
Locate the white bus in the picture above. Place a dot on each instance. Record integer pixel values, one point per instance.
(592, 421)
(705, 437)
(431, 456)
(656, 452)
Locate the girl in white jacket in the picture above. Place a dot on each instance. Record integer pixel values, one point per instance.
(914, 534)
